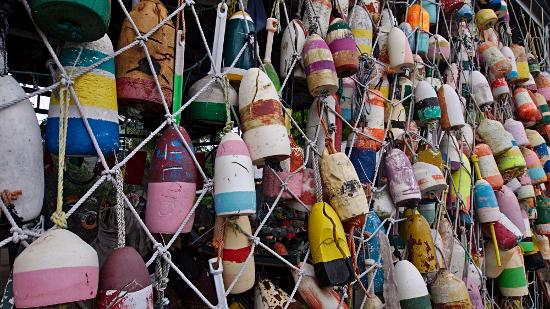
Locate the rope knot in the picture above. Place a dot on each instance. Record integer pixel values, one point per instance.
(142, 39)
(59, 218)
(208, 185)
(255, 239)
(65, 81)
(18, 234)
(162, 250)
(170, 119)
(284, 186)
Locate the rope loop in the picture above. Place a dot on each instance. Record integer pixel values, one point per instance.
(18, 234)
(170, 119)
(59, 218)
(255, 239)
(65, 81)
(160, 248)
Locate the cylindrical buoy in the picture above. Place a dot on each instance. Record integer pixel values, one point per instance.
(481, 91)
(404, 189)
(269, 296)
(530, 84)
(427, 209)
(534, 67)
(499, 88)
(508, 53)
(452, 116)
(488, 167)
(271, 185)
(486, 202)
(342, 46)
(542, 105)
(526, 193)
(348, 99)
(373, 252)
(172, 184)
(430, 179)
(498, 65)
(236, 249)
(315, 296)
(399, 54)
(319, 66)
(449, 291)
(329, 249)
(74, 20)
(543, 85)
(534, 168)
(511, 163)
(209, 106)
(22, 162)
(542, 223)
(236, 36)
(508, 204)
(124, 281)
(460, 192)
(57, 268)
(317, 17)
(411, 288)
(427, 104)
(418, 17)
(234, 190)
(262, 118)
(507, 234)
(494, 135)
(292, 43)
(420, 245)
(521, 63)
(361, 27)
(450, 151)
(512, 282)
(382, 203)
(134, 79)
(96, 91)
(374, 117)
(517, 130)
(314, 125)
(485, 19)
(363, 156)
(452, 76)
(526, 109)
(307, 197)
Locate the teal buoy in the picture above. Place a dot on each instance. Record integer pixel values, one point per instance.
(72, 20)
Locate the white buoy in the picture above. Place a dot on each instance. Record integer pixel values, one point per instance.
(411, 289)
(292, 43)
(452, 116)
(400, 54)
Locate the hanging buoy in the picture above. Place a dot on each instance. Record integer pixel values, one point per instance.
(492, 270)
(426, 103)
(486, 203)
(542, 223)
(485, 19)
(458, 256)
(526, 109)
(134, 80)
(509, 206)
(292, 45)
(431, 7)
(382, 204)
(57, 268)
(452, 76)
(236, 249)
(317, 16)
(404, 189)
(498, 65)
(543, 85)
(534, 168)
(387, 22)
(507, 234)
(234, 189)
(420, 245)
(508, 53)
(342, 46)
(449, 291)
(314, 127)
(315, 296)
(362, 156)
(430, 179)
(269, 296)
(481, 91)
(373, 252)
(374, 117)
(534, 67)
(408, 31)
(452, 116)
(271, 185)
(239, 26)
(450, 6)
(511, 163)
(125, 281)
(464, 13)
(512, 282)
(517, 130)
(74, 20)
(342, 186)
(540, 101)
(439, 48)
(361, 27)
(526, 193)
(96, 91)
(172, 184)
(499, 88)
(22, 162)
(262, 118)
(329, 249)
(399, 54)
(521, 63)
(460, 192)
(488, 167)
(467, 139)
(319, 67)
(348, 99)
(494, 135)
(411, 288)
(418, 17)
(427, 209)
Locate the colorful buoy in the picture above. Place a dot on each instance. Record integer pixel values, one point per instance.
(319, 66)
(404, 189)
(317, 16)
(411, 288)
(488, 167)
(236, 249)
(238, 27)
(342, 46)
(361, 27)
(400, 55)
(452, 116)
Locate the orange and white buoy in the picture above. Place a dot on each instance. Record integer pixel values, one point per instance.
(488, 166)
(430, 179)
(452, 116)
(526, 109)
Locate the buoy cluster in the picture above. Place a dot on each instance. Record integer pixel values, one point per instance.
(415, 173)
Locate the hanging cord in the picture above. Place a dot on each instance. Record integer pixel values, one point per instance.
(219, 236)
(121, 221)
(59, 216)
(162, 269)
(229, 124)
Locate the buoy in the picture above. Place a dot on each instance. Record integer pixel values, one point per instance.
(449, 291)
(382, 203)
(372, 247)
(329, 249)
(172, 184)
(74, 20)
(134, 80)
(507, 234)
(308, 192)
(236, 249)
(430, 179)
(464, 13)
(271, 185)
(509, 206)
(238, 27)
(452, 116)
(526, 193)
(540, 101)
(412, 290)
(534, 67)
(450, 151)
(511, 163)
(57, 268)
(512, 282)
(399, 54)
(124, 281)
(543, 85)
(348, 100)
(439, 48)
(420, 245)
(530, 84)
(486, 203)
(319, 67)
(317, 17)
(418, 17)
(234, 189)
(374, 117)
(481, 91)
(96, 91)
(508, 53)
(526, 109)
(467, 139)
(269, 296)
(363, 156)
(499, 88)
(262, 118)
(492, 270)
(498, 64)
(342, 46)
(404, 189)
(292, 43)
(494, 135)
(488, 167)
(22, 157)
(542, 223)
(534, 168)
(342, 186)
(460, 192)
(387, 21)
(408, 31)
(458, 258)
(315, 296)
(517, 130)
(427, 209)
(314, 126)
(426, 103)
(521, 63)
(485, 19)
(361, 27)
(452, 76)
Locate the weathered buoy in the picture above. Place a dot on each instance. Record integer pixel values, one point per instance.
(543, 85)
(427, 104)
(449, 291)
(314, 126)
(481, 91)
(57, 268)
(542, 105)
(292, 43)
(329, 249)
(460, 192)
(458, 257)
(512, 282)
(234, 189)
(534, 67)
(452, 116)
(430, 179)
(317, 16)
(172, 184)
(399, 54)
(488, 167)
(404, 189)
(521, 63)
(96, 91)
(124, 281)
(507, 234)
(134, 80)
(542, 223)
(236, 249)
(361, 27)
(342, 46)
(307, 197)
(238, 27)
(363, 156)
(494, 135)
(499, 88)
(22, 157)
(450, 151)
(412, 290)
(315, 296)
(511, 163)
(485, 19)
(269, 296)
(508, 53)
(382, 203)
(319, 66)
(526, 193)
(517, 130)
(508, 204)
(262, 118)
(418, 17)
(74, 20)
(420, 245)
(372, 247)
(348, 97)
(498, 65)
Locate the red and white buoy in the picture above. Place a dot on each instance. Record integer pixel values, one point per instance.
(236, 249)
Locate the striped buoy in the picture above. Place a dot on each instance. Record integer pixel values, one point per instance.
(449, 291)
(418, 18)
(271, 185)
(498, 65)
(521, 63)
(426, 103)
(511, 163)
(172, 184)
(73, 20)
(57, 268)
(361, 27)
(534, 67)
(234, 189)
(485, 19)
(452, 116)
(317, 16)
(438, 48)
(124, 281)
(400, 55)
(342, 46)
(430, 179)
(22, 162)
(485, 202)
(517, 130)
(374, 117)
(494, 135)
(348, 97)
(463, 185)
(508, 53)
(530, 84)
(540, 101)
(526, 193)
(507, 234)
(262, 118)
(292, 43)
(499, 88)
(526, 109)
(512, 282)
(543, 85)
(314, 296)
(363, 155)
(534, 168)
(209, 106)
(404, 189)
(239, 25)
(411, 288)
(319, 67)
(96, 91)
(236, 249)
(134, 80)
(488, 167)
(382, 203)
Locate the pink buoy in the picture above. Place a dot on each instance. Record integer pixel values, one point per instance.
(507, 233)
(509, 205)
(517, 130)
(307, 197)
(488, 166)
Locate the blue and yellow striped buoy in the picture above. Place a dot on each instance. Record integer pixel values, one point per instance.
(96, 91)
